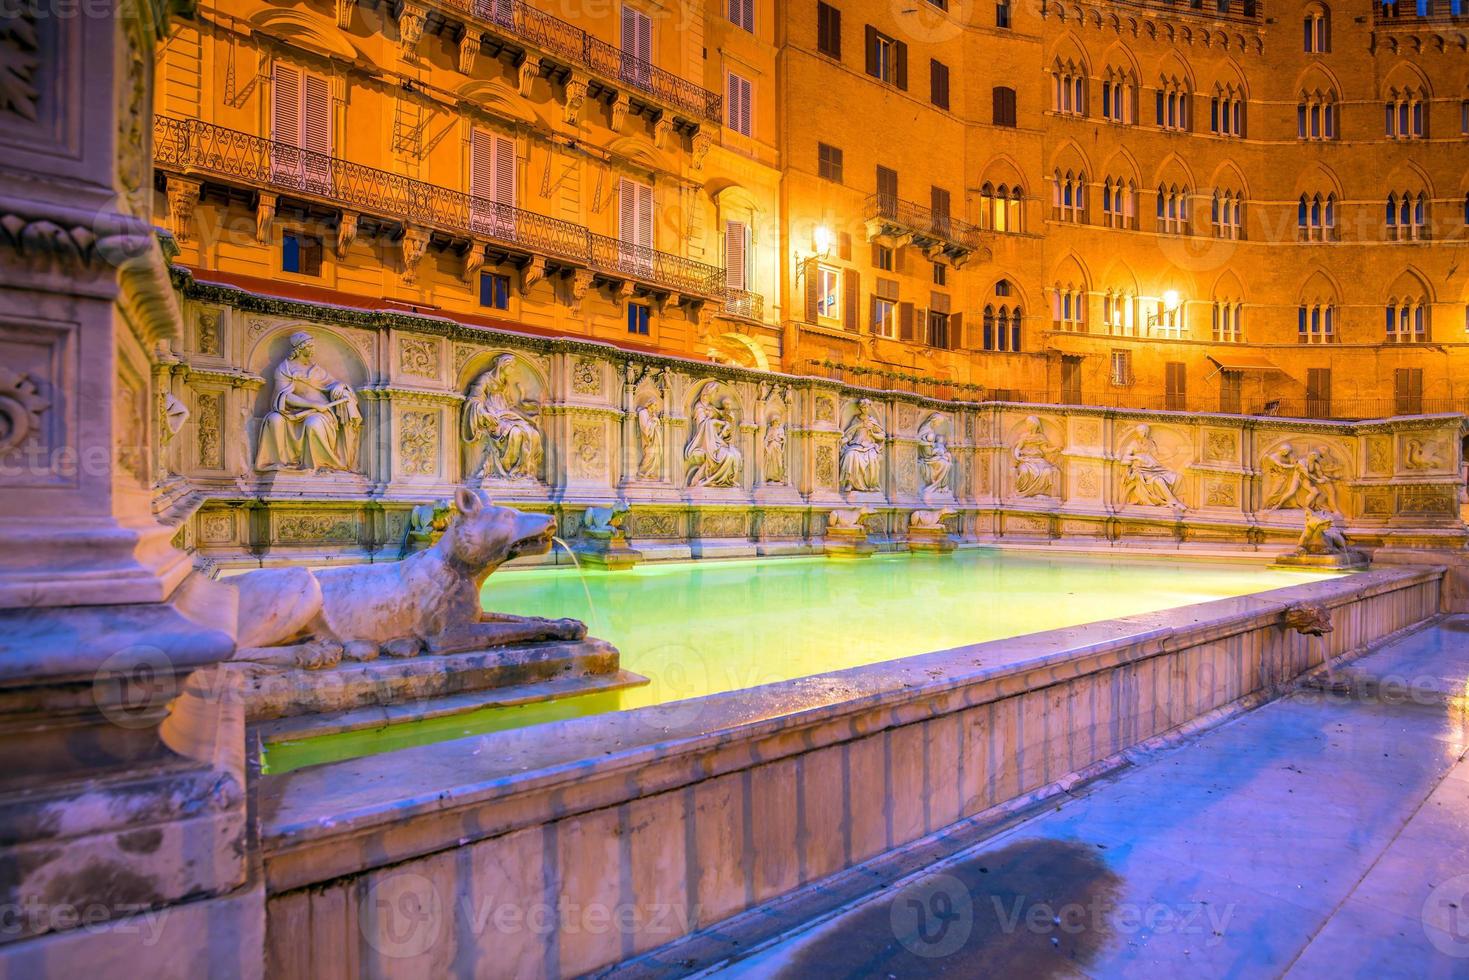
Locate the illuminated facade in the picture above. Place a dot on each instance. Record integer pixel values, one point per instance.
(1197, 206)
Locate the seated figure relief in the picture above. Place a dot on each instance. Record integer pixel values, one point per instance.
(1035, 474)
(314, 421)
(498, 417)
(711, 458)
(935, 460)
(861, 463)
(1147, 481)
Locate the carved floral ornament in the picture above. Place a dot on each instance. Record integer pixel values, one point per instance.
(21, 406)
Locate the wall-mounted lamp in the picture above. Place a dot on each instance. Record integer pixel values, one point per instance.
(821, 241)
(1170, 300)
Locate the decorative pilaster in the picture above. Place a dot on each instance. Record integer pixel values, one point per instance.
(264, 215)
(344, 13)
(346, 233)
(412, 246)
(572, 97)
(183, 195)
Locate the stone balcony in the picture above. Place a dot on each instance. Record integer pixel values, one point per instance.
(941, 237)
(539, 43)
(189, 153)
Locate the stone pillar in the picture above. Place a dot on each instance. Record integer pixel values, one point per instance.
(122, 782)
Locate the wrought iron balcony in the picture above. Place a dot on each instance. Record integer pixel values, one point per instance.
(743, 303)
(555, 38)
(938, 234)
(190, 147)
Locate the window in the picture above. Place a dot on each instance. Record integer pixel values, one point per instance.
(940, 274)
(1002, 14)
(736, 255)
(1119, 312)
(742, 14)
(1119, 94)
(939, 208)
(1317, 33)
(1316, 218)
(829, 163)
(1068, 310)
(1175, 386)
(887, 191)
(1068, 89)
(1318, 393)
(1172, 105)
(300, 128)
(1001, 328)
(887, 58)
(938, 84)
(494, 290)
(1173, 207)
(1408, 391)
(1119, 203)
(1316, 323)
(1406, 114)
(1464, 118)
(637, 47)
(1068, 196)
(885, 312)
(1167, 321)
(300, 254)
(938, 330)
(1000, 207)
(1121, 369)
(635, 223)
(1231, 392)
(828, 30)
(737, 104)
(1226, 214)
(638, 317)
(1316, 116)
(1227, 112)
(1228, 326)
(1004, 106)
(1407, 321)
(491, 183)
(882, 257)
(828, 293)
(1407, 216)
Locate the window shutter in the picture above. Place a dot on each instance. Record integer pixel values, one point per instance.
(851, 283)
(285, 105)
(481, 164)
(956, 331)
(735, 239)
(905, 321)
(900, 69)
(844, 246)
(505, 171)
(813, 290)
(870, 34)
(316, 116)
(645, 37)
(627, 211)
(645, 215)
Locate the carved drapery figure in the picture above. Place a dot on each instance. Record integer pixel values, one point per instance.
(495, 412)
(1035, 474)
(314, 421)
(1148, 481)
(711, 458)
(935, 461)
(775, 449)
(1307, 481)
(861, 465)
(650, 446)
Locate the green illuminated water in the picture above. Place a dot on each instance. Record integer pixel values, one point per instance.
(696, 628)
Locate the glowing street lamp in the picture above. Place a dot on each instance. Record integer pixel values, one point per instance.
(821, 240)
(1170, 300)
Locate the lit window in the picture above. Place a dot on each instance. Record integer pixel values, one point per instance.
(1228, 328)
(828, 293)
(884, 317)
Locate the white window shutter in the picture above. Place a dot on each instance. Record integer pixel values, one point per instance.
(505, 171)
(285, 105)
(481, 164)
(316, 115)
(746, 88)
(736, 242)
(645, 215)
(645, 37)
(627, 210)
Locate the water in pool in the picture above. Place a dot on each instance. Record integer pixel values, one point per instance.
(696, 628)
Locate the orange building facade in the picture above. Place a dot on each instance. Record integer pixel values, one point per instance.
(1220, 206)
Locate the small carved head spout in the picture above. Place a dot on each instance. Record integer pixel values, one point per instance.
(483, 536)
(1308, 619)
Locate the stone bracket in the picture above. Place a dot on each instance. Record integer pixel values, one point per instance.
(264, 216)
(346, 233)
(412, 245)
(183, 196)
(474, 260)
(573, 96)
(532, 273)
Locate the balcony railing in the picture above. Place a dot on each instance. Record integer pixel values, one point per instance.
(194, 147)
(743, 303)
(923, 223)
(557, 38)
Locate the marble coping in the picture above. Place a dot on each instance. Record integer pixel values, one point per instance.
(325, 821)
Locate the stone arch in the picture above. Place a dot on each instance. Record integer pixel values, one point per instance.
(1227, 287)
(1070, 156)
(337, 353)
(1174, 169)
(1410, 285)
(304, 30)
(1320, 287)
(1318, 179)
(524, 366)
(495, 97)
(739, 350)
(1229, 175)
(1318, 80)
(1404, 77)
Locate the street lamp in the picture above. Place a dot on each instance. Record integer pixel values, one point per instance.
(821, 241)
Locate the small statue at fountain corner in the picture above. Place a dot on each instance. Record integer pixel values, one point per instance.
(604, 522)
(847, 518)
(930, 520)
(426, 524)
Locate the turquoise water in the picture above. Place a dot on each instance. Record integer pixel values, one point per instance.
(696, 628)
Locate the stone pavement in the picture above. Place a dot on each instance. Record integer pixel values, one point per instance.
(1323, 835)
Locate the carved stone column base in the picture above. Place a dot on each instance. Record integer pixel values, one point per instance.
(844, 542)
(88, 562)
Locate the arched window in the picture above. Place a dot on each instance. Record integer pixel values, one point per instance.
(1316, 323)
(1316, 218)
(1068, 308)
(1068, 196)
(1119, 312)
(1000, 207)
(1228, 323)
(1119, 203)
(1407, 321)
(1001, 328)
(1173, 210)
(1119, 97)
(1316, 116)
(1406, 114)
(1407, 216)
(1227, 214)
(1172, 100)
(1317, 30)
(1068, 89)
(1227, 111)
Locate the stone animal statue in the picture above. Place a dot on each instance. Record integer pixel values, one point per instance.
(847, 518)
(1308, 618)
(426, 522)
(431, 600)
(604, 520)
(931, 520)
(1321, 536)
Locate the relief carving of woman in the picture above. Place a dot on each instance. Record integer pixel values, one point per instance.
(775, 449)
(710, 456)
(314, 421)
(1148, 481)
(1035, 474)
(861, 466)
(495, 412)
(935, 461)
